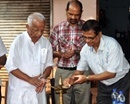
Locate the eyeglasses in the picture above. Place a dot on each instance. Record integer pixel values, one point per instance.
(89, 38)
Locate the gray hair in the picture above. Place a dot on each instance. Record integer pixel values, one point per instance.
(34, 16)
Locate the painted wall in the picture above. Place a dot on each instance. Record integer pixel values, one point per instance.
(59, 13)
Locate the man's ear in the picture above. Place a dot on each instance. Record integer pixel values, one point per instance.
(82, 12)
(100, 33)
(27, 26)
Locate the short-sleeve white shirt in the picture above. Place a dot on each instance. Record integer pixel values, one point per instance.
(109, 57)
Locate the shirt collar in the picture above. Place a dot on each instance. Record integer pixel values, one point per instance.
(78, 24)
(101, 45)
(28, 37)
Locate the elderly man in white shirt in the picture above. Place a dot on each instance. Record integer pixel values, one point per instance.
(106, 59)
(29, 63)
(3, 52)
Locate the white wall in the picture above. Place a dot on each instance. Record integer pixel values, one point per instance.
(59, 13)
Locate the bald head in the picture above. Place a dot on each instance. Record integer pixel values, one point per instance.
(75, 3)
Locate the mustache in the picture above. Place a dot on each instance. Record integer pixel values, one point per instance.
(73, 19)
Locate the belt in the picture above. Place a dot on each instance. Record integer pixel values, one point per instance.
(68, 68)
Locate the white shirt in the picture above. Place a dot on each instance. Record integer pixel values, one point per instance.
(3, 51)
(109, 57)
(31, 59)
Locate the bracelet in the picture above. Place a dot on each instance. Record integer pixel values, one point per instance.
(42, 76)
(87, 78)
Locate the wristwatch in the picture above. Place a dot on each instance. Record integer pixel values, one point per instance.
(87, 78)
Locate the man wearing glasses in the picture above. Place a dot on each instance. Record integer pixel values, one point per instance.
(106, 59)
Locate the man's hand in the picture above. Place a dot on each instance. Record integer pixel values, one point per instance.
(68, 54)
(66, 82)
(40, 88)
(80, 79)
(35, 81)
(69, 81)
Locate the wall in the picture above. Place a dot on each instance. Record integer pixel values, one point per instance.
(59, 13)
(117, 14)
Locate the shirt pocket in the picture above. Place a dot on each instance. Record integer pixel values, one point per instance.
(43, 55)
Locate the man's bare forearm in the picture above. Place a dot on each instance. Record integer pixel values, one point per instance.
(77, 73)
(3, 60)
(19, 74)
(47, 72)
